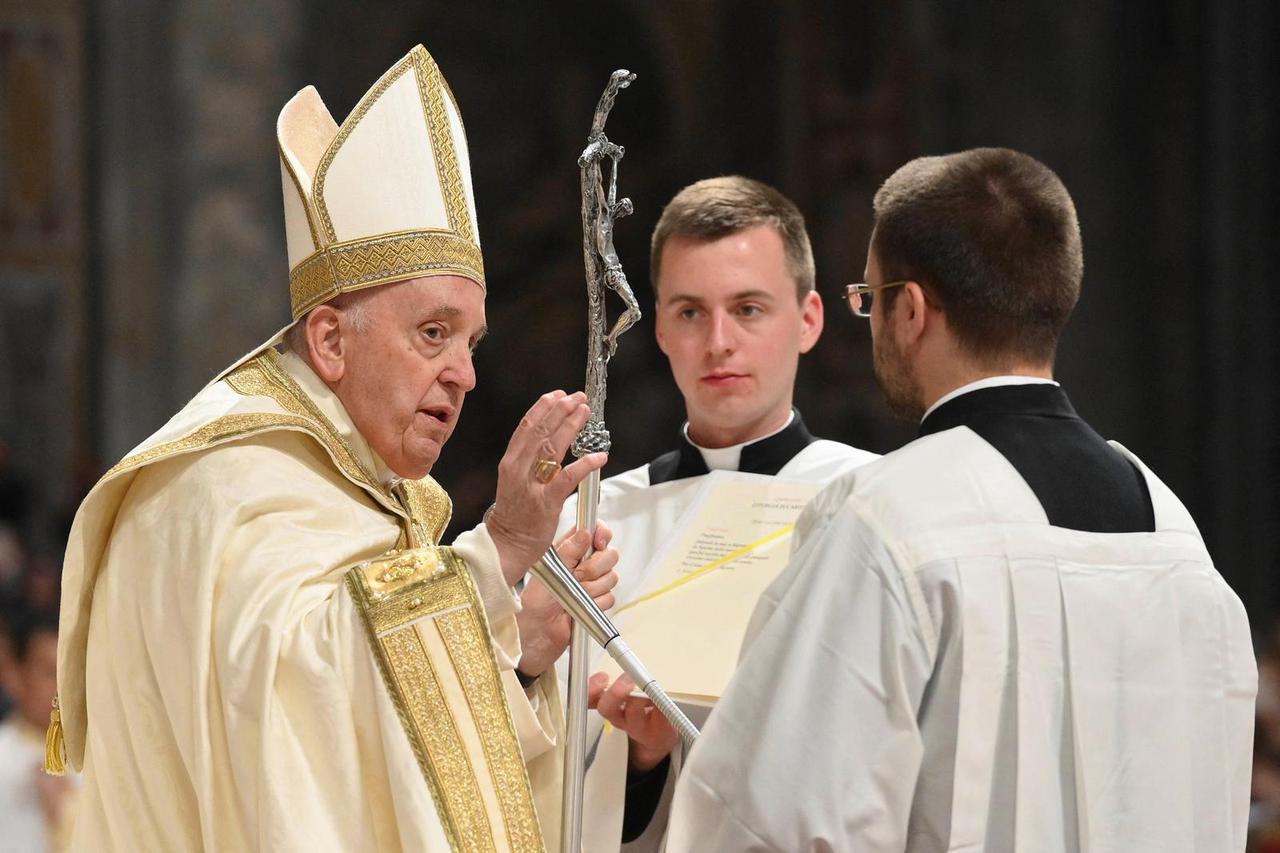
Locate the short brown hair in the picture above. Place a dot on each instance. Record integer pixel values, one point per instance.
(992, 236)
(717, 207)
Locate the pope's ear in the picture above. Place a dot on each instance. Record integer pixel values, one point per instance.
(324, 343)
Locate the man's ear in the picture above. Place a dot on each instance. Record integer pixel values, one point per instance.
(325, 345)
(811, 320)
(910, 311)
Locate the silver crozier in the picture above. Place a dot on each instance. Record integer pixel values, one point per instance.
(600, 208)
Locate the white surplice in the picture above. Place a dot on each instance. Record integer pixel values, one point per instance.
(643, 518)
(940, 670)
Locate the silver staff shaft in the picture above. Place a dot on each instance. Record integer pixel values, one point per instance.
(575, 750)
(588, 616)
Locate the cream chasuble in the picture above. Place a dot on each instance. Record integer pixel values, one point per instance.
(264, 648)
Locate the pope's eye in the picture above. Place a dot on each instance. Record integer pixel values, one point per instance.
(433, 333)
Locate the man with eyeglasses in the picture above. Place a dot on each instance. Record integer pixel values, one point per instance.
(1007, 635)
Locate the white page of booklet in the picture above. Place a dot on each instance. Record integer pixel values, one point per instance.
(687, 622)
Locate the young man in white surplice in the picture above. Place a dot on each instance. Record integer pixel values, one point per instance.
(733, 277)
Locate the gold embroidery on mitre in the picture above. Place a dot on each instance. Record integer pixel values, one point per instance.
(432, 592)
(431, 89)
(363, 262)
(356, 264)
(311, 282)
(361, 109)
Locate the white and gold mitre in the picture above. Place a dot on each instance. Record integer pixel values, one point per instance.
(387, 196)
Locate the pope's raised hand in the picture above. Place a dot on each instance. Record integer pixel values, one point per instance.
(532, 486)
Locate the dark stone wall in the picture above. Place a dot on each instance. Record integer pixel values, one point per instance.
(1160, 118)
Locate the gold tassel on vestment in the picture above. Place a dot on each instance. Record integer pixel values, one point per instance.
(55, 752)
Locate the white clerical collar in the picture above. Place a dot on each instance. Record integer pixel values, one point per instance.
(727, 458)
(987, 382)
(331, 407)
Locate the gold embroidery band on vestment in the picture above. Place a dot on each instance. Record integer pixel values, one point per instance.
(466, 638)
(357, 264)
(403, 597)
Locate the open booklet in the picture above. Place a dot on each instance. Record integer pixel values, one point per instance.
(688, 619)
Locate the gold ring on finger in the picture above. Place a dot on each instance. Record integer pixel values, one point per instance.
(545, 470)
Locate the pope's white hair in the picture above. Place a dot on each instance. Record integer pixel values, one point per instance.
(353, 308)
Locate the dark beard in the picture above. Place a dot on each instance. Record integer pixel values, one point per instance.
(901, 391)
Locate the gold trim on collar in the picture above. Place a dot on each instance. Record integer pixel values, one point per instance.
(428, 504)
(225, 428)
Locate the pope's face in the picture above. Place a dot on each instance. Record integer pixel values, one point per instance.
(731, 326)
(405, 373)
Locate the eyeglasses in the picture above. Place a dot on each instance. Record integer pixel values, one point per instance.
(860, 296)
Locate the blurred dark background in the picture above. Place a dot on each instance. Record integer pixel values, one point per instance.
(142, 248)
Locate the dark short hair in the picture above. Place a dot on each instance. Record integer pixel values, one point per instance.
(990, 234)
(717, 207)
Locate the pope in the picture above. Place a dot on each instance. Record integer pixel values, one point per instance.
(263, 644)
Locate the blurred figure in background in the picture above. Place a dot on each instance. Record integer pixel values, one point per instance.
(1264, 808)
(34, 813)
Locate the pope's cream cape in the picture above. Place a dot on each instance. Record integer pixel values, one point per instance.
(263, 647)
